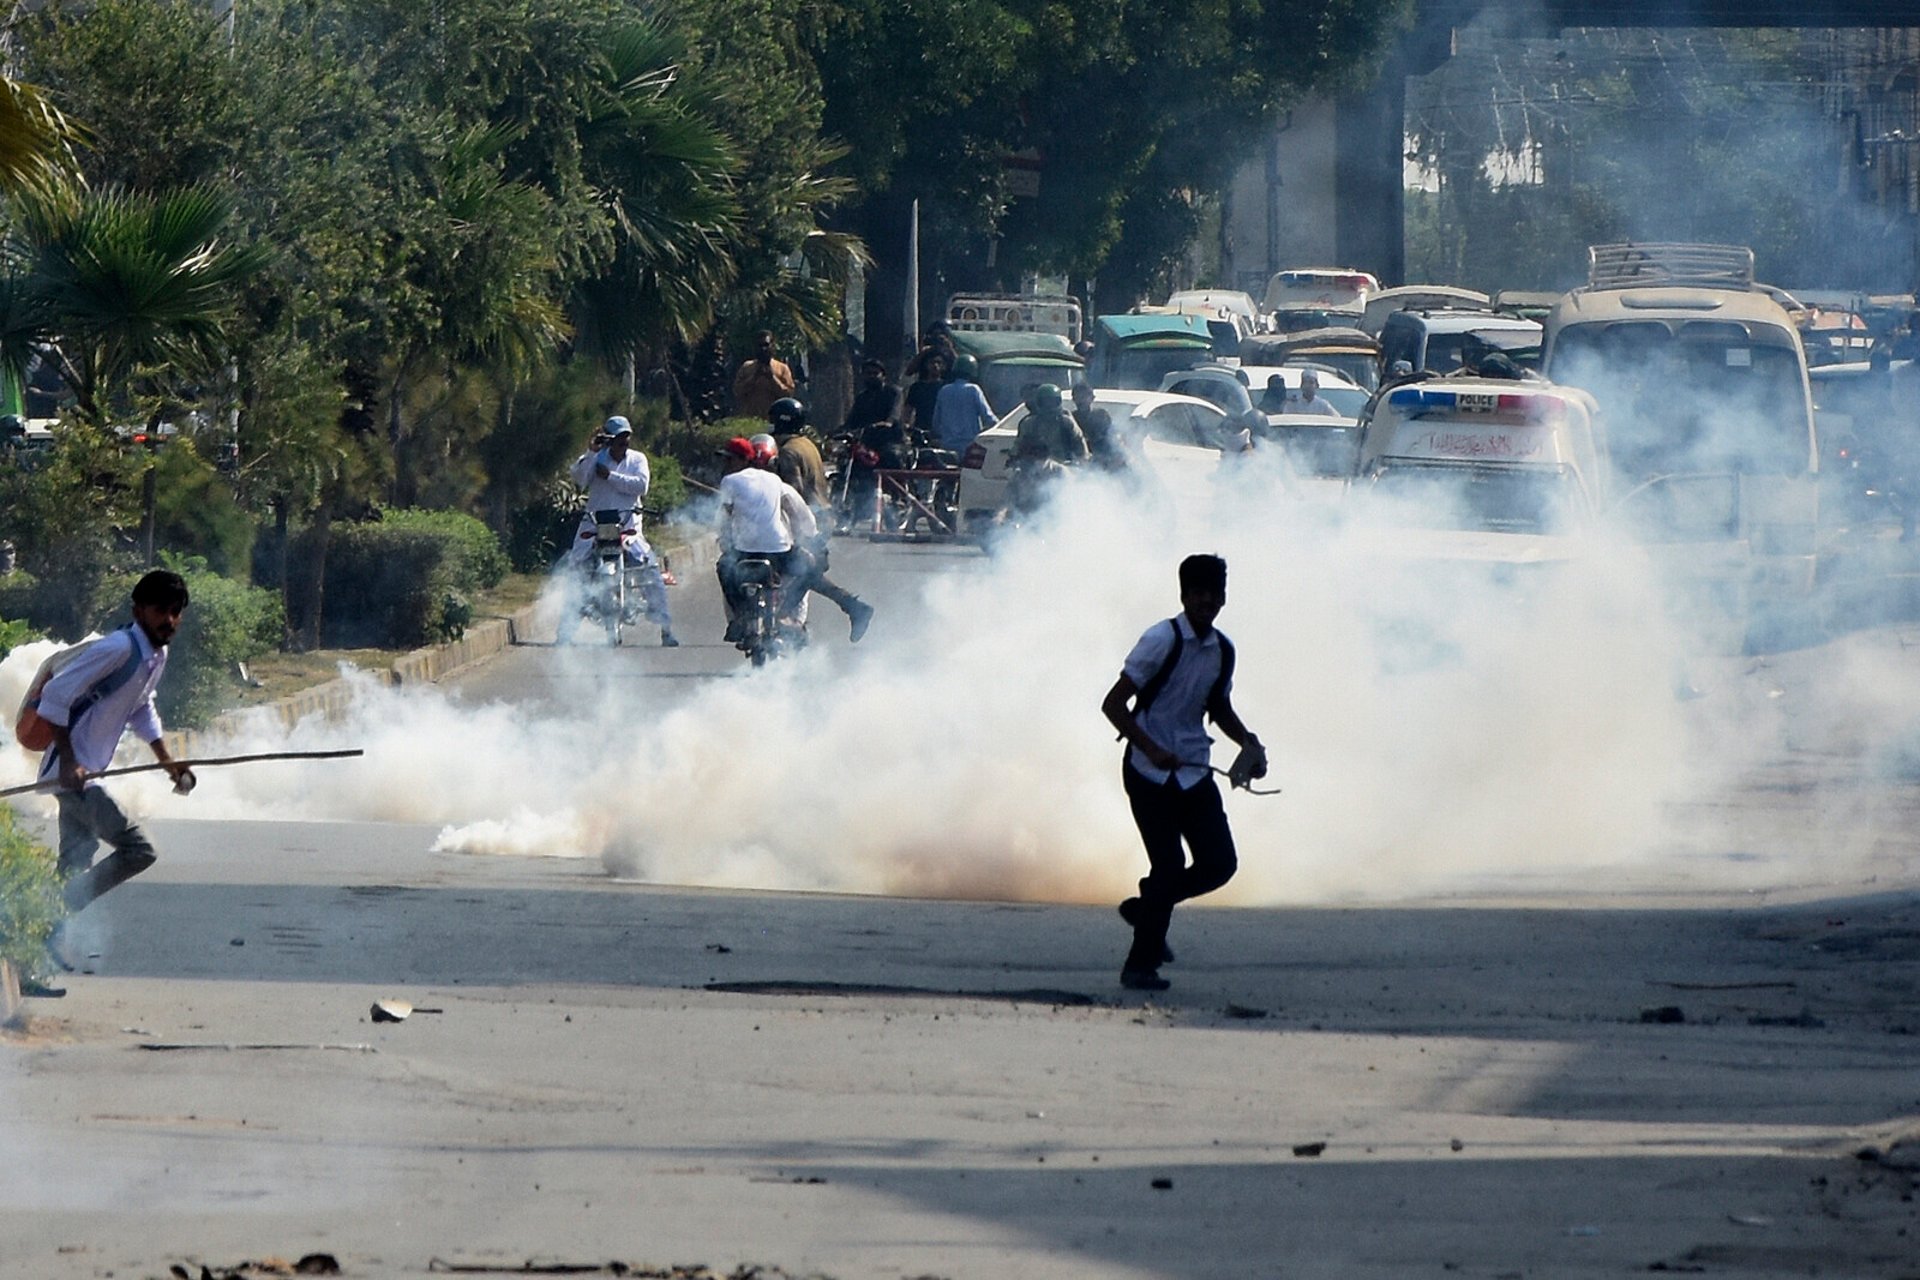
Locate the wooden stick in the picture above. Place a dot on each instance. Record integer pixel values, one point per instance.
(54, 785)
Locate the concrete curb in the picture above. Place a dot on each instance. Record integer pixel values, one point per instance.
(333, 700)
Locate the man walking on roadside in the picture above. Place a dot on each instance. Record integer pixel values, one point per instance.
(1180, 671)
(89, 704)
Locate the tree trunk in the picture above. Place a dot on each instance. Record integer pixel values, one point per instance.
(280, 552)
(316, 579)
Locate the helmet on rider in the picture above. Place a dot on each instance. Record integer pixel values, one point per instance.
(967, 367)
(1043, 398)
(787, 416)
(739, 448)
(765, 450)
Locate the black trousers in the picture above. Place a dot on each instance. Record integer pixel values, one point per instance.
(1167, 816)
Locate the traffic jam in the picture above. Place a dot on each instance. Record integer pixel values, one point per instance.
(1673, 405)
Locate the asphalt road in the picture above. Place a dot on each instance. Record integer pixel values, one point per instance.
(849, 1086)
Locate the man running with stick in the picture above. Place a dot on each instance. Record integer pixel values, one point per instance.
(89, 704)
(1180, 671)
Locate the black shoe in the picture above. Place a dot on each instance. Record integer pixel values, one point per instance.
(1131, 908)
(668, 640)
(859, 615)
(34, 989)
(1143, 980)
(735, 633)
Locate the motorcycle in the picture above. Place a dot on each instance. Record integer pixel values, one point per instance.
(764, 635)
(609, 589)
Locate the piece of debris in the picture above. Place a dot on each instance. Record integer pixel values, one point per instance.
(236, 942)
(1243, 1011)
(720, 948)
(391, 1010)
(1162, 1184)
(1664, 1013)
(210, 1047)
(1306, 1150)
(1749, 1220)
(312, 1264)
(1456, 1145)
(1804, 1018)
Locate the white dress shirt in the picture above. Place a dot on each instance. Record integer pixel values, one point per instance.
(97, 735)
(1175, 718)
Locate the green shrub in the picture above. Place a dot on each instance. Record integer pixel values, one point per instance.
(13, 634)
(403, 581)
(227, 623)
(30, 902)
(475, 559)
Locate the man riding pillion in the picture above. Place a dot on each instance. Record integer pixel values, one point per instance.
(799, 464)
(615, 476)
(1048, 442)
(761, 515)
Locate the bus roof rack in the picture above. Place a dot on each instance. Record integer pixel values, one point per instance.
(1630, 266)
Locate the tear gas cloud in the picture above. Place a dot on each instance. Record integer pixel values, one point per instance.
(1436, 725)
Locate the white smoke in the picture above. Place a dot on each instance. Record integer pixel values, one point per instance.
(1524, 727)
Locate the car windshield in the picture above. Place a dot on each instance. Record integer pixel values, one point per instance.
(1356, 366)
(1225, 393)
(1301, 319)
(1445, 350)
(1348, 400)
(1143, 368)
(1476, 499)
(1708, 399)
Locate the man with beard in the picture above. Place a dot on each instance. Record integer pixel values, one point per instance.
(89, 704)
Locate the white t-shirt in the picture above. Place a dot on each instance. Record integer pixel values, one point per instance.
(761, 513)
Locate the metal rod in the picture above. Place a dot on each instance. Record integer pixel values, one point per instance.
(54, 785)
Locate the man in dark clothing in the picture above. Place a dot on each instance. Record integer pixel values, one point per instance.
(1180, 671)
(878, 400)
(799, 464)
(923, 392)
(879, 439)
(1104, 448)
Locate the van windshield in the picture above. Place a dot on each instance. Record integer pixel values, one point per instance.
(1477, 499)
(1704, 399)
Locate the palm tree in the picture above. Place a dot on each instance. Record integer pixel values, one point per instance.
(126, 282)
(664, 177)
(36, 142)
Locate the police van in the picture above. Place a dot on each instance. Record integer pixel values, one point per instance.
(1507, 469)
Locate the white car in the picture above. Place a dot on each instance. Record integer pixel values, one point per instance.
(1237, 388)
(1168, 431)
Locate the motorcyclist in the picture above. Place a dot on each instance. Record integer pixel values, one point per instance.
(1105, 448)
(761, 515)
(1047, 443)
(797, 461)
(616, 477)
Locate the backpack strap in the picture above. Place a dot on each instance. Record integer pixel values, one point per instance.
(111, 684)
(1158, 680)
(1217, 696)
